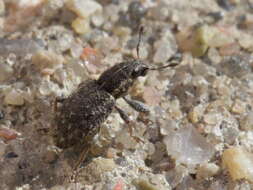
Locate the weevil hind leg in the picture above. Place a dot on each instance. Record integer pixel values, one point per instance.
(137, 105)
(78, 164)
(56, 101)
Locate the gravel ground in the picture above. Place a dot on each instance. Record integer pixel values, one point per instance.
(198, 134)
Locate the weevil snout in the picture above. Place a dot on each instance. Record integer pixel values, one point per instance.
(141, 69)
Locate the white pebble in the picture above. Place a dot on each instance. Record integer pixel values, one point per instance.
(14, 97)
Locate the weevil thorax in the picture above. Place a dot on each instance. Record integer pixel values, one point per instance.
(119, 78)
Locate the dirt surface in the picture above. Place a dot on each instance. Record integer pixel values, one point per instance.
(199, 131)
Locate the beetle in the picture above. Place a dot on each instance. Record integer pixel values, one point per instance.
(80, 115)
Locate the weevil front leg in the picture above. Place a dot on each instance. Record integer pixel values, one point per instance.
(128, 121)
(140, 107)
(123, 115)
(137, 105)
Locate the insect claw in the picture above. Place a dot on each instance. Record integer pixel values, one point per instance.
(137, 139)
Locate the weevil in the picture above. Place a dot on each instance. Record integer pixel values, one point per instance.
(80, 115)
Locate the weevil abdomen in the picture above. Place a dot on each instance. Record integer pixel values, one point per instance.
(79, 117)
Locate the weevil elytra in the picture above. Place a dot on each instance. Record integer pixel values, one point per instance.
(80, 115)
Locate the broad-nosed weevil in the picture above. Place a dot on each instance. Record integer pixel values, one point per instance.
(80, 115)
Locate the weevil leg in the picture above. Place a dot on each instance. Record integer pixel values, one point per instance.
(56, 101)
(82, 157)
(129, 122)
(137, 105)
(123, 115)
(131, 133)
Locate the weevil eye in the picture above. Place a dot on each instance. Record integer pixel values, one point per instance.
(140, 70)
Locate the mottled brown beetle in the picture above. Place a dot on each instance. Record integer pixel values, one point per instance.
(80, 115)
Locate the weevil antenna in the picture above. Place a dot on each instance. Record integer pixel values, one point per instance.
(139, 41)
(163, 67)
(174, 61)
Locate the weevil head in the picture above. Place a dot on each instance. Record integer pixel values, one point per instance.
(119, 78)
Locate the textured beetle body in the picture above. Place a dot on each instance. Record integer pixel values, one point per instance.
(80, 116)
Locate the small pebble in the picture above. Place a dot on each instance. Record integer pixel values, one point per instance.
(47, 61)
(84, 9)
(202, 37)
(174, 109)
(6, 71)
(235, 66)
(2, 7)
(194, 40)
(121, 161)
(143, 184)
(239, 107)
(230, 49)
(52, 8)
(8, 134)
(207, 170)
(160, 12)
(92, 60)
(11, 155)
(225, 4)
(245, 41)
(221, 36)
(24, 187)
(14, 97)
(119, 185)
(151, 96)
(246, 22)
(215, 16)
(239, 163)
(214, 55)
(125, 139)
(187, 146)
(195, 114)
(93, 171)
(76, 50)
(111, 153)
(81, 25)
(212, 118)
(97, 20)
(246, 123)
(136, 12)
(230, 135)
(19, 47)
(163, 51)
